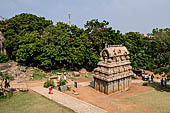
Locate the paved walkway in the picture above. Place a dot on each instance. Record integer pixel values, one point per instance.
(69, 101)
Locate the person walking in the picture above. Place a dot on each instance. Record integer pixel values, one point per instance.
(152, 76)
(59, 77)
(162, 82)
(65, 78)
(165, 82)
(7, 83)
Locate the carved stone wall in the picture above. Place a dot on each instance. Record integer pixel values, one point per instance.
(2, 50)
(114, 71)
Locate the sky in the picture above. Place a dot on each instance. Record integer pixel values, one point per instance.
(124, 15)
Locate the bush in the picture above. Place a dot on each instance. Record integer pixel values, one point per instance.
(168, 77)
(61, 83)
(49, 83)
(145, 84)
(3, 58)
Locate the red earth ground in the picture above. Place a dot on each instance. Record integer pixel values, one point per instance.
(112, 103)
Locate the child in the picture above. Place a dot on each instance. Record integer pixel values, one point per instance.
(50, 90)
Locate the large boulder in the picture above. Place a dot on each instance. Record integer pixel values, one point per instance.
(5, 66)
(22, 68)
(53, 77)
(63, 88)
(83, 71)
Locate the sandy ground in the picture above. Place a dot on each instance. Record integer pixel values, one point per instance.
(112, 103)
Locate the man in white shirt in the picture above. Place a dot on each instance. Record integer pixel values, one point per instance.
(59, 77)
(65, 78)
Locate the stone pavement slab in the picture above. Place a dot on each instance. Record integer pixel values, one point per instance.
(68, 101)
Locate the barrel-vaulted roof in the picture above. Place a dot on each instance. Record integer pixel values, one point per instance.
(115, 50)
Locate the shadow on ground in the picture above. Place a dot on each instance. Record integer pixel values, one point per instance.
(157, 86)
(91, 84)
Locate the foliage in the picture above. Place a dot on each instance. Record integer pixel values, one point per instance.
(61, 82)
(18, 27)
(168, 77)
(145, 84)
(138, 49)
(49, 83)
(58, 71)
(99, 33)
(160, 49)
(3, 58)
(35, 41)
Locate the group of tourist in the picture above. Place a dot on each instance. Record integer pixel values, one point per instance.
(65, 77)
(146, 77)
(59, 78)
(164, 82)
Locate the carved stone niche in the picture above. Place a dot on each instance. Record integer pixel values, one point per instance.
(119, 51)
(123, 58)
(114, 59)
(117, 59)
(105, 56)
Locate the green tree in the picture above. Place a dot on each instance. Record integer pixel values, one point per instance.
(67, 46)
(99, 34)
(138, 47)
(29, 47)
(18, 26)
(161, 48)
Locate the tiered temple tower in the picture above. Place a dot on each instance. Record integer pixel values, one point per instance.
(114, 71)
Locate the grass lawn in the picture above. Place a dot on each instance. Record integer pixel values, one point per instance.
(156, 100)
(31, 102)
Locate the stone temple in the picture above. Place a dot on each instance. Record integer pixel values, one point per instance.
(114, 71)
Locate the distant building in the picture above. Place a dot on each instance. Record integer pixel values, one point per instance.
(144, 34)
(2, 50)
(147, 35)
